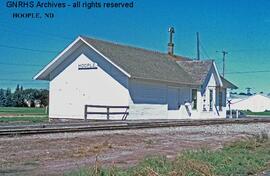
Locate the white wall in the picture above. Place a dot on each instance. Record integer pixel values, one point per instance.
(183, 96)
(152, 100)
(204, 94)
(155, 100)
(71, 89)
(147, 100)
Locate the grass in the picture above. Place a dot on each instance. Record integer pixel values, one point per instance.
(24, 119)
(266, 113)
(245, 157)
(22, 115)
(22, 111)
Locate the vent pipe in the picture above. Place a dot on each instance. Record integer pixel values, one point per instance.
(171, 44)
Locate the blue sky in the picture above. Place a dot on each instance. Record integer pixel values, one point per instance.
(240, 27)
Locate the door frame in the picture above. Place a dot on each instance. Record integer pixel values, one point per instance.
(176, 97)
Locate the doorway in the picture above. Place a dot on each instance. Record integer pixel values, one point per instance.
(173, 98)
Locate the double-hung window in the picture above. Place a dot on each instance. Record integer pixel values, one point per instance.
(194, 98)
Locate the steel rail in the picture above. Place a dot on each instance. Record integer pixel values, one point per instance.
(117, 125)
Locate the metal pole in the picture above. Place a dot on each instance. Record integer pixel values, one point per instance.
(223, 60)
(85, 112)
(198, 46)
(223, 70)
(108, 113)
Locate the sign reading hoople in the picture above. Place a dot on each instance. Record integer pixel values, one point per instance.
(87, 66)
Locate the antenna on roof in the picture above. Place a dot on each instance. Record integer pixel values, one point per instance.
(171, 44)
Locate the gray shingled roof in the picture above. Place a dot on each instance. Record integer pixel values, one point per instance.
(197, 69)
(150, 65)
(142, 63)
(228, 84)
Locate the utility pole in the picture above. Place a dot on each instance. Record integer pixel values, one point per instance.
(223, 60)
(198, 46)
(248, 91)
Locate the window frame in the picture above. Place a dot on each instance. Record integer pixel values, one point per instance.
(220, 100)
(211, 100)
(194, 101)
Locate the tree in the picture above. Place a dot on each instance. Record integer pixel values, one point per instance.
(18, 97)
(9, 99)
(29, 95)
(242, 93)
(35, 94)
(2, 97)
(17, 88)
(44, 97)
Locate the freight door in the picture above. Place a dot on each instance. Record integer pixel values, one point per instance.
(173, 102)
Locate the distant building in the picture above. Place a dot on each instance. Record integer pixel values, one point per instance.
(37, 103)
(31, 103)
(255, 103)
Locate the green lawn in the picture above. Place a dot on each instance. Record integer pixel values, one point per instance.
(266, 113)
(22, 110)
(24, 119)
(246, 157)
(22, 115)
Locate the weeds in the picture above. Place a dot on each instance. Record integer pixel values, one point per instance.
(244, 157)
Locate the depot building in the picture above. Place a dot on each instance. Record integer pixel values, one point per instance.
(143, 84)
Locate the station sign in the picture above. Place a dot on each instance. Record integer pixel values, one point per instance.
(87, 66)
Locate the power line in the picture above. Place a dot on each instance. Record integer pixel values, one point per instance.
(5, 79)
(10, 81)
(32, 35)
(224, 53)
(22, 34)
(26, 80)
(14, 64)
(252, 50)
(204, 50)
(24, 83)
(36, 33)
(27, 49)
(249, 72)
(9, 73)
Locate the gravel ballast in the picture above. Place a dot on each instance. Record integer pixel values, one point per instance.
(55, 154)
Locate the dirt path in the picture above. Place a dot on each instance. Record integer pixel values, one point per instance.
(54, 154)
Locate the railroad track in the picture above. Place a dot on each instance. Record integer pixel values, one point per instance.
(6, 130)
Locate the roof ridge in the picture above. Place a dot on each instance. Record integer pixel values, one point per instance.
(207, 60)
(131, 46)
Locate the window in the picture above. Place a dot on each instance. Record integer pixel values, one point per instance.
(194, 98)
(210, 100)
(204, 102)
(220, 100)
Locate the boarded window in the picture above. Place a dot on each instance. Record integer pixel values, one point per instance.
(194, 98)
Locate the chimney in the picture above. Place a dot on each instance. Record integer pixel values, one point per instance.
(171, 44)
